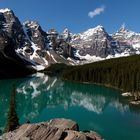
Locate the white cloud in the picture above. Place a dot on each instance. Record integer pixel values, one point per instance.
(96, 12)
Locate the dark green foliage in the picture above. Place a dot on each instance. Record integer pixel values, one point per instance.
(56, 69)
(12, 118)
(122, 73)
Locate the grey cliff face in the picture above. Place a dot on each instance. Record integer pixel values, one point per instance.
(36, 34)
(11, 25)
(61, 43)
(125, 40)
(95, 42)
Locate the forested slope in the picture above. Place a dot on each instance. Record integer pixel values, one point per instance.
(122, 73)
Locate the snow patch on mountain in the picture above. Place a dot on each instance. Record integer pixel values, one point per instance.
(5, 10)
(85, 35)
(33, 55)
(136, 46)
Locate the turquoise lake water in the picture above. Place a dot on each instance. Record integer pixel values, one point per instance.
(41, 98)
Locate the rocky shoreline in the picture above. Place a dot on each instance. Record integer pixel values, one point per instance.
(56, 129)
(133, 99)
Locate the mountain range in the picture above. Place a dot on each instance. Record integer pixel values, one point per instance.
(26, 46)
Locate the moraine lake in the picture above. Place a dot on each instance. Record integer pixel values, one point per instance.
(41, 98)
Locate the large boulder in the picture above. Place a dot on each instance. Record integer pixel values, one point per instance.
(57, 129)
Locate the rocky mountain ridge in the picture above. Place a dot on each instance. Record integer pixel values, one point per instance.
(39, 48)
(29, 43)
(96, 44)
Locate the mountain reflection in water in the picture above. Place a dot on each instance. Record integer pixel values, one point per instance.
(44, 92)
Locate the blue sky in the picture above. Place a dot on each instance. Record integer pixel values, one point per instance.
(78, 15)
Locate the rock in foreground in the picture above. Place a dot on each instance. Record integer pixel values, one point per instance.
(57, 129)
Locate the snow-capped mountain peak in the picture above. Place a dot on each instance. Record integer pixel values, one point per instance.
(96, 44)
(127, 37)
(91, 32)
(99, 28)
(123, 28)
(5, 10)
(67, 35)
(66, 30)
(123, 31)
